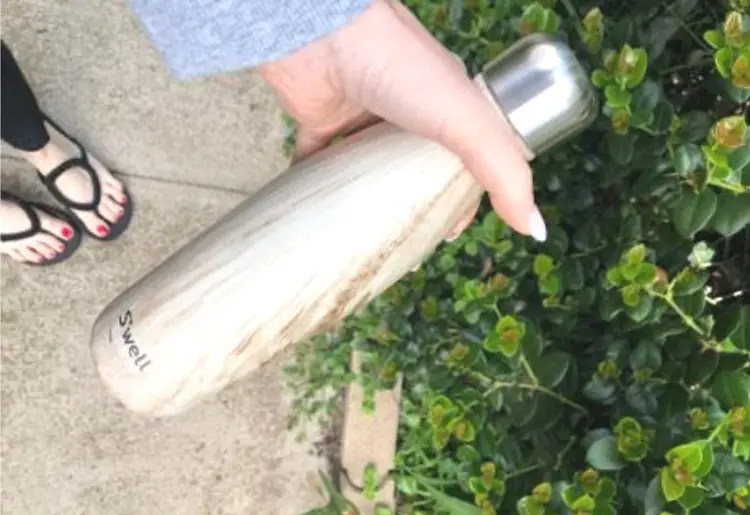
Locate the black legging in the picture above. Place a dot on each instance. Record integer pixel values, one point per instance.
(22, 121)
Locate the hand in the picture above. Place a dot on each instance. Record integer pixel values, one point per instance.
(386, 65)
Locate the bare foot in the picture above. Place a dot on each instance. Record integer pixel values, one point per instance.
(76, 185)
(38, 247)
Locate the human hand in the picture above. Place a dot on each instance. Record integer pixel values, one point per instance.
(386, 65)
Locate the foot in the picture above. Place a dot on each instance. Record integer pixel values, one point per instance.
(76, 184)
(40, 246)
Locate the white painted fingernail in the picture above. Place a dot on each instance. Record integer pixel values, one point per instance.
(537, 227)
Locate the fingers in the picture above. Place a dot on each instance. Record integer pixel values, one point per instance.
(312, 139)
(409, 79)
(465, 222)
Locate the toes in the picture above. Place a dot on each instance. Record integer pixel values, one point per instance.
(50, 242)
(59, 228)
(94, 223)
(16, 256)
(116, 191)
(43, 249)
(110, 210)
(29, 254)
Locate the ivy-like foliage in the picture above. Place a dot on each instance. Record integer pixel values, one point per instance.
(606, 370)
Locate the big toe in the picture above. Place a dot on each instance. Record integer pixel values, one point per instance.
(94, 223)
(110, 210)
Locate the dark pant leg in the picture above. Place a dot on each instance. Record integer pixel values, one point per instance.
(22, 121)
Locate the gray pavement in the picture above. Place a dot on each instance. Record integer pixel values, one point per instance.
(189, 152)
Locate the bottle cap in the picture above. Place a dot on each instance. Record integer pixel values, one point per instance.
(542, 90)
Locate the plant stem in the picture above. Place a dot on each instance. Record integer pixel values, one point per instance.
(687, 29)
(523, 471)
(685, 317)
(498, 385)
(716, 430)
(676, 68)
(529, 371)
(734, 188)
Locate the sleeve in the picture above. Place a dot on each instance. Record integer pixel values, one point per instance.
(204, 37)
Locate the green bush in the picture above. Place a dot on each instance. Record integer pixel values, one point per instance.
(606, 370)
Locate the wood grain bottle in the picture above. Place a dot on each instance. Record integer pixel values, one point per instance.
(319, 241)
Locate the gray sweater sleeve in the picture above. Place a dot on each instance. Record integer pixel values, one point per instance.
(203, 37)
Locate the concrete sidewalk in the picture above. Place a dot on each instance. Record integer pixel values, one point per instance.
(189, 152)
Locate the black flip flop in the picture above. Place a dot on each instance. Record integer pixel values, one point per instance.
(49, 180)
(29, 207)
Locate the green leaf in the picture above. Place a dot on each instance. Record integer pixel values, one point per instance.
(687, 159)
(701, 366)
(740, 336)
(723, 61)
(715, 38)
(732, 214)
(602, 455)
(621, 148)
(467, 453)
(727, 320)
(731, 389)
(573, 274)
(642, 309)
(740, 157)
(587, 237)
(617, 97)
(660, 31)
(550, 285)
(692, 212)
(671, 489)
(654, 500)
(551, 367)
(707, 460)
(603, 509)
(646, 97)
(645, 274)
(584, 503)
(450, 504)
(543, 265)
(695, 126)
(689, 453)
(692, 497)
(600, 78)
(631, 294)
(647, 355)
(607, 489)
(527, 506)
(599, 390)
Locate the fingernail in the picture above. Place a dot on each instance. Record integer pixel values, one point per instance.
(102, 230)
(537, 227)
(452, 237)
(67, 232)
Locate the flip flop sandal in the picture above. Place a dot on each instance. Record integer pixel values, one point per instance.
(49, 180)
(28, 207)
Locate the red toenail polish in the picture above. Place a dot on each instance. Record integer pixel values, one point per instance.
(67, 233)
(102, 230)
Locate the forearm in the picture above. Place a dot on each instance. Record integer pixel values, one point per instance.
(204, 37)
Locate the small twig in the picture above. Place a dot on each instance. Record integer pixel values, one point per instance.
(523, 471)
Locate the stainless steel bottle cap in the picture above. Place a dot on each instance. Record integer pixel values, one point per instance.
(543, 91)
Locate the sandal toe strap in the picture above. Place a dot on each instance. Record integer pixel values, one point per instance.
(50, 180)
(36, 225)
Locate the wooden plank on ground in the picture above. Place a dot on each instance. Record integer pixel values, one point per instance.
(369, 439)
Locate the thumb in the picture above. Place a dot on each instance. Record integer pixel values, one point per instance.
(411, 80)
